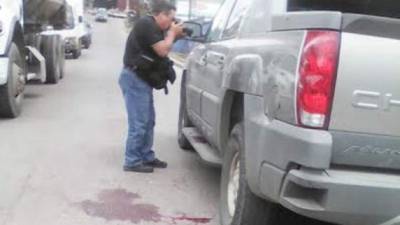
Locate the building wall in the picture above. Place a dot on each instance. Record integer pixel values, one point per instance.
(105, 3)
(121, 4)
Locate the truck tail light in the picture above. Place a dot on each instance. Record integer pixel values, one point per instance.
(317, 76)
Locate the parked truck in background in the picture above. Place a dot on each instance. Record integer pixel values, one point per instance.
(26, 53)
(74, 33)
(299, 102)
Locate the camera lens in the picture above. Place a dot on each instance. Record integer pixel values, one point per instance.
(188, 31)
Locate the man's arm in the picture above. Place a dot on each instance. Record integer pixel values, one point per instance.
(162, 48)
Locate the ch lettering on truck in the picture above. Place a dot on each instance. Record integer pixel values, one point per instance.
(374, 100)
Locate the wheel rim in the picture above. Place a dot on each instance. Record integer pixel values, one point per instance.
(233, 184)
(18, 82)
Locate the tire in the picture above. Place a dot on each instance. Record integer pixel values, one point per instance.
(249, 208)
(76, 53)
(11, 93)
(62, 61)
(51, 48)
(88, 42)
(85, 45)
(183, 120)
(83, 42)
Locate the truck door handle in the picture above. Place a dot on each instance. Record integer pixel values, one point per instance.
(217, 58)
(203, 60)
(221, 62)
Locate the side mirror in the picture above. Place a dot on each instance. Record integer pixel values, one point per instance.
(194, 31)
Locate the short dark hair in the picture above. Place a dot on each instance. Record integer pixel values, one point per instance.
(160, 6)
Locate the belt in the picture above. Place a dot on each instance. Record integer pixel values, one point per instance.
(131, 68)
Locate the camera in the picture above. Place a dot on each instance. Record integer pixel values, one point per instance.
(186, 30)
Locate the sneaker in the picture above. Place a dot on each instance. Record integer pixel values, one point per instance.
(156, 164)
(139, 169)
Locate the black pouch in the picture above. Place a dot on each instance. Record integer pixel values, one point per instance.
(157, 79)
(152, 71)
(144, 63)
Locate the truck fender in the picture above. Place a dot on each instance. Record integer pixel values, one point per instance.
(244, 74)
(6, 37)
(5, 43)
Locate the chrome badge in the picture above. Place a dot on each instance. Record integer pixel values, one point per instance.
(374, 100)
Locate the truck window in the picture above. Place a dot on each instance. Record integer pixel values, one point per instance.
(70, 18)
(220, 20)
(257, 18)
(385, 8)
(236, 18)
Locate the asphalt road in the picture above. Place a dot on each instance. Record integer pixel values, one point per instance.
(61, 160)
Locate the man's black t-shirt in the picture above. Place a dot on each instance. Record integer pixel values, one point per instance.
(145, 34)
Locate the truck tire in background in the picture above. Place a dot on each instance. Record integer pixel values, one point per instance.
(76, 53)
(89, 43)
(238, 204)
(62, 60)
(51, 50)
(183, 120)
(86, 42)
(11, 93)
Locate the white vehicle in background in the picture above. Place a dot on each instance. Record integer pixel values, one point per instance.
(74, 33)
(25, 52)
(101, 15)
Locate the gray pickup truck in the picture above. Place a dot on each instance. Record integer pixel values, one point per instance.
(299, 102)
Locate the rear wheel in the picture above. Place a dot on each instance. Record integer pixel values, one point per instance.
(76, 53)
(238, 204)
(11, 93)
(183, 120)
(62, 61)
(86, 42)
(51, 48)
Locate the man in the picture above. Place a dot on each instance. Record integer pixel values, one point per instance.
(152, 36)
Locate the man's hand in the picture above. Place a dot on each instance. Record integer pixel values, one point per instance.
(177, 29)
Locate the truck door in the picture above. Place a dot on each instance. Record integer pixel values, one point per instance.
(198, 79)
(217, 63)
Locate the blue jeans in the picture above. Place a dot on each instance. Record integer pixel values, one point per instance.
(138, 96)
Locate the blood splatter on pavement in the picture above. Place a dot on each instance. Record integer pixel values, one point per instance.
(119, 204)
